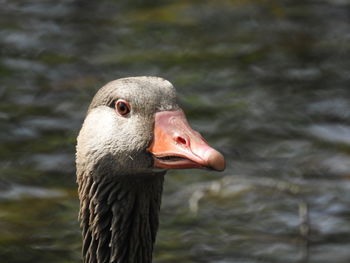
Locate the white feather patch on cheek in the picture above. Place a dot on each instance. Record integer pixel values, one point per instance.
(98, 129)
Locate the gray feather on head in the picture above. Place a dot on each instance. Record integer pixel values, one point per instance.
(123, 139)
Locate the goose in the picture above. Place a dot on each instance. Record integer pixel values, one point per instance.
(133, 132)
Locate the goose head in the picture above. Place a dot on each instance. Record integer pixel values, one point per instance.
(136, 125)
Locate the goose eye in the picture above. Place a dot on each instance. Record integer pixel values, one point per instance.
(122, 107)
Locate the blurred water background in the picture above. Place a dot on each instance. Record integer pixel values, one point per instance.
(266, 82)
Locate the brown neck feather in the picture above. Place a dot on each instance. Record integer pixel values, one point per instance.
(119, 217)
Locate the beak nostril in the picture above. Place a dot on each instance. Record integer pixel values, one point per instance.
(181, 140)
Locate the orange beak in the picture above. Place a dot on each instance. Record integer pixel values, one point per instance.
(177, 146)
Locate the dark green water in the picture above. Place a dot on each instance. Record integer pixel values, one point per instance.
(266, 82)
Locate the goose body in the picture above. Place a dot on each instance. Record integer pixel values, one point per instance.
(133, 132)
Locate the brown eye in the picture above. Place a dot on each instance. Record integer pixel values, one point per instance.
(122, 107)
